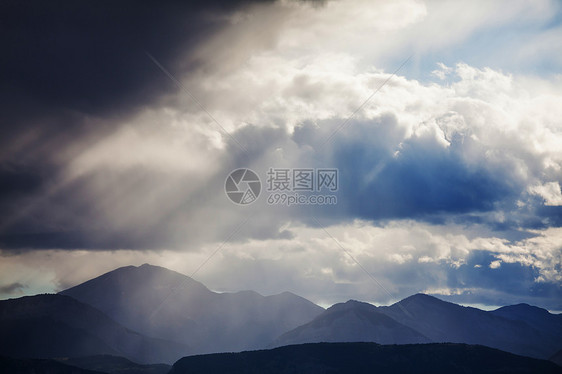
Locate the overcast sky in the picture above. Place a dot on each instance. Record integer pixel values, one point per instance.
(121, 121)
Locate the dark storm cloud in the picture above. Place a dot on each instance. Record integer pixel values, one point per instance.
(508, 277)
(504, 284)
(551, 215)
(64, 60)
(19, 180)
(69, 70)
(423, 179)
(90, 56)
(101, 240)
(385, 176)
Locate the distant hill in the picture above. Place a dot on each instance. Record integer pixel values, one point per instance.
(115, 365)
(352, 321)
(162, 303)
(47, 326)
(442, 321)
(539, 318)
(39, 366)
(358, 358)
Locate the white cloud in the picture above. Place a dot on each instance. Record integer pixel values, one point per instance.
(405, 257)
(443, 72)
(550, 192)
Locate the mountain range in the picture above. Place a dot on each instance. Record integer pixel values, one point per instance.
(421, 318)
(150, 314)
(504, 329)
(168, 305)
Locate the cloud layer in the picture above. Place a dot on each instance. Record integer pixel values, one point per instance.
(449, 170)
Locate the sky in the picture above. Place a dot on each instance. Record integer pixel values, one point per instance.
(440, 123)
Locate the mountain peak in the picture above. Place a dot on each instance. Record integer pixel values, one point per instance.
(148, 266)
(145, 274)
(422, 299)
(166, 304)
(522, 307)
(351, 304)
(355, 302)
(144, 285)
(352, 321)
(422, 296)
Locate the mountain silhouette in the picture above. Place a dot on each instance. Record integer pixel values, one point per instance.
(46, 326)
(442, 321)
(149, 314)
(352, 321)
(539, 318)
(162, 303)
(114, 365)
(39, 366)
(359, 358)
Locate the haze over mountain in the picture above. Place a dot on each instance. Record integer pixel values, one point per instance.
(165, 304)
(526, 331)
(47, 326)
(352, 321)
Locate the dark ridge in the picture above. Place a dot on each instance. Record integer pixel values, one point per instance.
(39, 366)
(359, 358)
(115, 365)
